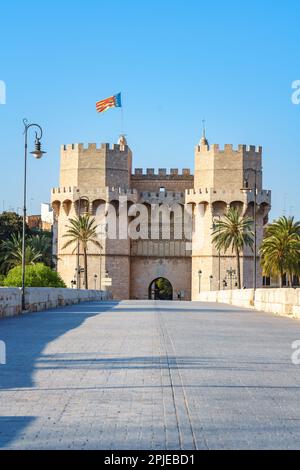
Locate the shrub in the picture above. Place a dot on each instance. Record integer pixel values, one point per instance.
(38, 275)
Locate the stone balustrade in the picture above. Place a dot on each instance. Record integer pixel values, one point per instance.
(279, 301)
(40, 298)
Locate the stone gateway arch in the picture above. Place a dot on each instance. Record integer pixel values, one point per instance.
(160, 289)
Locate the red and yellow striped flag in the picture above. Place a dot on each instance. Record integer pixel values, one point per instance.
(111, 102)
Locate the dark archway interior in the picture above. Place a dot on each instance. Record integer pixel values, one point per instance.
(161, 289)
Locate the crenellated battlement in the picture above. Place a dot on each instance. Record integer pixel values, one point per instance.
(161, 196)
(229, 148)
(200, 191)
(161, 173)
(208, 195)
(211, 196)
(80, 147)
(64, 190)
(75, 191)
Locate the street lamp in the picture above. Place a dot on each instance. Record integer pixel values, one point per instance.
(100, 253)
(37, 153)
(219, 252)
(246, 189)
(199, 275)
(210, 281)
(106, 280)
(95, 281)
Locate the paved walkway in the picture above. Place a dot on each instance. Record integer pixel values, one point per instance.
(150, 375)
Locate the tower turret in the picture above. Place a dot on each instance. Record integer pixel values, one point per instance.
(219, 179)
(94, 166)
(203, 141)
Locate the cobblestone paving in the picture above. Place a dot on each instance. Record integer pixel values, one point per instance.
(149, 375)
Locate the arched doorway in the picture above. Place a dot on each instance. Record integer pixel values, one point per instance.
(160, 289)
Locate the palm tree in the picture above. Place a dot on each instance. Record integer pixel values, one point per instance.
(42, 242)
(280, 249)
(233, 231)
(82, 229)
(11, 252)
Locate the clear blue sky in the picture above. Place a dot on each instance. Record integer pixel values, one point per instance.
(174, 62)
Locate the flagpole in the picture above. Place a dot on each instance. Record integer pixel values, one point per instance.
(122, 120)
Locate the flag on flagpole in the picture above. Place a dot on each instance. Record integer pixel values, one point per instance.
(111, 102)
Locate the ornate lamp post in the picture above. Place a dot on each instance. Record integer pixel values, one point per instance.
(199, 275)
(246, 189)
(37, 153)
(101, 226)
(219, 253)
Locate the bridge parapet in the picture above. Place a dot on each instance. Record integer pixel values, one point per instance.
(43, 298)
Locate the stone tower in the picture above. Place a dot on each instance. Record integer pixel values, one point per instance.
(90, 177)
(219, 179)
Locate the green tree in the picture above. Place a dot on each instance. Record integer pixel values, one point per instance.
(38, 249)
(11, 253)
(38, 275)
(41, 242)
(82, 230)
(233, 231)
(164, 288)
(280, 249)
(10, 224)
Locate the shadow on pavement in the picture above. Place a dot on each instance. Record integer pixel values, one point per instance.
(26, 336)
(11, 427)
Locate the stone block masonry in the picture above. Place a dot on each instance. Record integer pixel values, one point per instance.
(40, 298)
(284, 302)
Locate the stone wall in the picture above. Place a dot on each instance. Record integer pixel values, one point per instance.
(279, 301)
(151, 181)
(40, 298)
